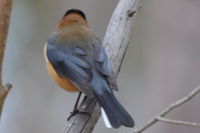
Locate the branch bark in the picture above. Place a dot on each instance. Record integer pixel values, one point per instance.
(115, 42)
(5, 11)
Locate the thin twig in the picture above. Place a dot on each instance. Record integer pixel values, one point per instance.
(168, 109)
(178, 122)
(5, 11)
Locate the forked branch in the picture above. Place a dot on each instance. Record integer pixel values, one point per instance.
(160, 117)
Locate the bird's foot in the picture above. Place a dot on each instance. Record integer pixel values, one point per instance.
(75, 112)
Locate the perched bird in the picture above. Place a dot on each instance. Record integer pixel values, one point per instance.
(78, 63)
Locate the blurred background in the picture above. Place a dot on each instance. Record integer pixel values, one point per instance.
(161, 65)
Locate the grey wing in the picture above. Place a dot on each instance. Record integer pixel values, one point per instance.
(103, 66)
(71, 64)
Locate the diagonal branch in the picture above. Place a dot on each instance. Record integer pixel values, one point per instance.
(168, 109)
(5, 11)
(115, 42)
(178, 122)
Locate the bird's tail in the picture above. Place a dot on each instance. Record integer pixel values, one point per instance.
(113, 113)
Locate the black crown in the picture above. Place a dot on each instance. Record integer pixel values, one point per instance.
(75, 11)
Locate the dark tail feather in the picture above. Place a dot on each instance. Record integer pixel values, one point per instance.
(115, 113)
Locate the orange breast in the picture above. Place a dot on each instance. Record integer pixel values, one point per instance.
(62, 82)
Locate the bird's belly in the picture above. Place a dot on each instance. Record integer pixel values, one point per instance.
(62, 82)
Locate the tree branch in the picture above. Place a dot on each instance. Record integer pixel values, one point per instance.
(5, 11)
(115, 42)
(178, 122)
(168, 109)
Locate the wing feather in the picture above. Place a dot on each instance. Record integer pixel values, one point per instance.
(103, 66)
(70, 65)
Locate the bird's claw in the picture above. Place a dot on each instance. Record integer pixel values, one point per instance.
(72, 114)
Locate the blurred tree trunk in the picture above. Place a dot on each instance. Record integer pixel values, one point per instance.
(5, 11)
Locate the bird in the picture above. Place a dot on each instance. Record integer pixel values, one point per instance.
(78, 62)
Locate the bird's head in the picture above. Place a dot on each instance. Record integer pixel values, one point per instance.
(73, 17)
